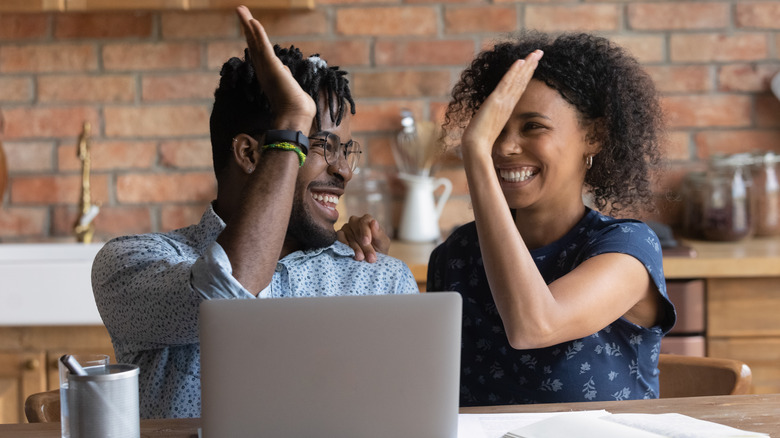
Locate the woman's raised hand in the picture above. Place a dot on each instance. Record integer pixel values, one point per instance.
(293, 107)
(486, 125)
(365, 236)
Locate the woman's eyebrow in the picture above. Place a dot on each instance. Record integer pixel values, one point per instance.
(532, 114)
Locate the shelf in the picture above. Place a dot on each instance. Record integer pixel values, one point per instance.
(27, 6)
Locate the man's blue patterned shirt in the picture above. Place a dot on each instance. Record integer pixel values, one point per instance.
(148, 288)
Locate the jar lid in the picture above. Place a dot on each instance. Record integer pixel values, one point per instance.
(734, 160)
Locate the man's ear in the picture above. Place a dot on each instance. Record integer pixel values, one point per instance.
(246, 152)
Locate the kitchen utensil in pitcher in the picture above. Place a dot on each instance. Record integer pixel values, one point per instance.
(420, 217)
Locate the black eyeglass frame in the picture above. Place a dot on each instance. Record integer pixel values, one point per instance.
(350, 148)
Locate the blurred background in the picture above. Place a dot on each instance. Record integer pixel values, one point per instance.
(144, 80)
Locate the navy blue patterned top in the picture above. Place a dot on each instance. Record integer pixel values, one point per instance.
(148, 289)
(618, 362)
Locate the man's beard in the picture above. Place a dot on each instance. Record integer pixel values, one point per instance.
(304, 230)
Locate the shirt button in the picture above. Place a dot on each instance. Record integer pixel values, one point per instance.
(279, 268)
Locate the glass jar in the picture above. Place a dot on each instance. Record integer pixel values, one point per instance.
(693, 192)
(767, 194)
(367, 193)
(726, 200)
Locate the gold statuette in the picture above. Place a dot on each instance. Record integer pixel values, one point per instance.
(85, 226)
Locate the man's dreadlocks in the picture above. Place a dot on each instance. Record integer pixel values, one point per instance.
(240, 106)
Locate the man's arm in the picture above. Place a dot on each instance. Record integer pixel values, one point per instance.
(255, 233)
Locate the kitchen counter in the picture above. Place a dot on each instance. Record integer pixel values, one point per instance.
(47, 284)
(758, 257)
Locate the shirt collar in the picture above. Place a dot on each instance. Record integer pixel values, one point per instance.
(337, 249)
(210, 222)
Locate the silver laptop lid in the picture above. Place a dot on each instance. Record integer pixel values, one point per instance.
(350, 366)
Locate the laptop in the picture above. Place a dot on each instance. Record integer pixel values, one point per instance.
(348, 366)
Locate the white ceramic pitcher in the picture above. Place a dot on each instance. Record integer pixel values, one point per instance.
(420, 217)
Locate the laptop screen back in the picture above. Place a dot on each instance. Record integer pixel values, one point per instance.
(350, 366)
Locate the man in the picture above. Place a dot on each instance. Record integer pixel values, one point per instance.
(268, 234)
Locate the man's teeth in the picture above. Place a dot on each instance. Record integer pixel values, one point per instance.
(330, 199)
(515, 175)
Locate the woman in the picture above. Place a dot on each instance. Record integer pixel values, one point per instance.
(561, 303)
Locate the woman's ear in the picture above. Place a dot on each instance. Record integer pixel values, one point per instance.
(246, 152)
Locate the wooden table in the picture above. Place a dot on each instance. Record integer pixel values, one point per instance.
(757, 413)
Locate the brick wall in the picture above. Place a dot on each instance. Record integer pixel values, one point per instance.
(144, 81)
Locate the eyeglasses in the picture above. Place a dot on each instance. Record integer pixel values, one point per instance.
(335, 149)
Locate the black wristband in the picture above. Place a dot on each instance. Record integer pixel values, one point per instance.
(286, 136)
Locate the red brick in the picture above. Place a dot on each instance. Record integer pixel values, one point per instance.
(645, 48)
(401, 84)
(674, 79)
(109, 155)
(678, 15)
(186, 154)
(28, 157)
(283, 23)
(457, 176)
(22, 221)
(157, 121)
(103, 25)
(47, 58)
(452, 2)
(179, 216)
(437, 111)
(765, 15)
(707, 111)
(375, 116)
(151, 56)
(677, 146)
(767, 111)
(197, 25)
(425, 52)
(475, 19)
(707, 47)
(348, 52)
(43, 122)
(23, 26)
(86, 88)
(730, 142)
(182, 86)
(57, 189)
(110, 222)
(746, 77)
(400, 21)
(379, 151)
(170, 187)
(15, 89)
(572, 17)
(359, 2)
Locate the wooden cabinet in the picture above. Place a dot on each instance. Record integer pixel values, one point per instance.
(28, 361)
(128, 5)
(743, 322)
(21, 373)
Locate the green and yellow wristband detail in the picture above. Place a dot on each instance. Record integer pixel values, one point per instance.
(285, 146)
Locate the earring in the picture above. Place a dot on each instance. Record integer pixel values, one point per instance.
(233, 146)
(589, 161)
(250, 169)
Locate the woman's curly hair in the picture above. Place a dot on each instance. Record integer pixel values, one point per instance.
(614, 97)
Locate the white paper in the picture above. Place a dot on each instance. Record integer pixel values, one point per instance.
(681, 426)
(581, 426)
(596, 423)
(496, 425)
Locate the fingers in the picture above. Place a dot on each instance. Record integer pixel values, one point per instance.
(365, 236)
(516, 79)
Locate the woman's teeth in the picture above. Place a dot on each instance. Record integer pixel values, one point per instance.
(516, 175)
(329, 199)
